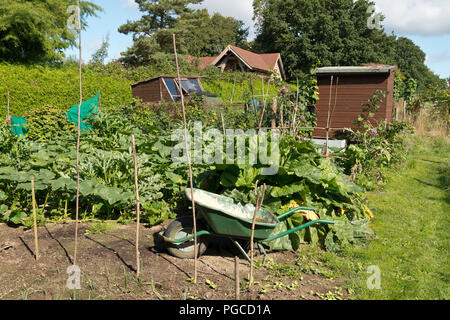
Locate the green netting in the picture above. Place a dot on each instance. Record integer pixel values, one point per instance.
(19, 126)
(89, 109)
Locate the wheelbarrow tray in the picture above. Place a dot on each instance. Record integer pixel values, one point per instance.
(230, 219)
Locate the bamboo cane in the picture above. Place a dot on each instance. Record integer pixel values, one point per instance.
(267, 92)
(335, 102)
(282, 117)
(33, 199)
(236, 277)
(78, 138)
(99, 102)
(259, 201)
(253, 97)
(138, 209)
(232, 93)
(328, 118)
(274, 112)
(263, 91)
(7, 114)
(223, 123)
(264, 104)
(262, 117)
(294, 120)
(188, 156)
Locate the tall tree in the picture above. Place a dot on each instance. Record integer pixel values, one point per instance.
(101, 54)
(333, 32)
(37, 31)
(204, 35)
(150, 32)
(411, 61)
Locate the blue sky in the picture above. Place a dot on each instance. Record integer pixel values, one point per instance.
(426, 22)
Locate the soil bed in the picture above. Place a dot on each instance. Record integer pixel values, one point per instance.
(107, 262)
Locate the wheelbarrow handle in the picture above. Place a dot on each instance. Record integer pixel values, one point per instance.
(181, 240)
(303, 226)
(285, 215)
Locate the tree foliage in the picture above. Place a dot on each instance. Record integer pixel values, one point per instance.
(150, 33)
(101, 54)
(198, 33)
(36, 31)
(411, 61)
(205, 35)
(333, 32)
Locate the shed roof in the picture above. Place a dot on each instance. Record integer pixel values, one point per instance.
(164, 76)
(364, 69)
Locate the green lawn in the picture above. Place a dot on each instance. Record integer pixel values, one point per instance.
(412, 225)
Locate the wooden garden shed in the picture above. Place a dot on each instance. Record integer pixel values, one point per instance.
(356, 85)
(165, 88)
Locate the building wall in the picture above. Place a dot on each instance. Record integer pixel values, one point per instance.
(352, 92)
(148, 91)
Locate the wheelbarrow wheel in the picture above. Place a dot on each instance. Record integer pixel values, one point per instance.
(181, 228)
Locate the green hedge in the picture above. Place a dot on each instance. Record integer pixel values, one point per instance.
(33, 87)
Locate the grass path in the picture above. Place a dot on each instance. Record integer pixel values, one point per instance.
(412, 224)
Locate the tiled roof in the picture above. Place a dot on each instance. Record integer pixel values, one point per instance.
(264, 62)
(203, 62)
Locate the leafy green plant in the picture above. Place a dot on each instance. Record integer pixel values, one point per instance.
(375, 146)
(211, 284)
(304, 178)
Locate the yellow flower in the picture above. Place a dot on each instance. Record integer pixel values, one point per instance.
(309, 215)
(368, 212)
(293, 204)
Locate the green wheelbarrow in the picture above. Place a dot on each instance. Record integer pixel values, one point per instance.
(220, 216)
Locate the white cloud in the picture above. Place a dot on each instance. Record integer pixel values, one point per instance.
(405, 17)
(438, 58)
(93, 46)
(416, 17)
(130, 4)
(238, 9)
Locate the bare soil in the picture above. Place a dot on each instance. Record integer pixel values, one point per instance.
(108, 262)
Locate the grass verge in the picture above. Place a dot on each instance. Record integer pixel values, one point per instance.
(412, 222)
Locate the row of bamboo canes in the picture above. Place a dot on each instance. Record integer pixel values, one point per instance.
(260, 197)
(259, 202)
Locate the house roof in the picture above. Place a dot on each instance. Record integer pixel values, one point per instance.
(264, 62)
(364, 69)
(254, 61)
(202, 61)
